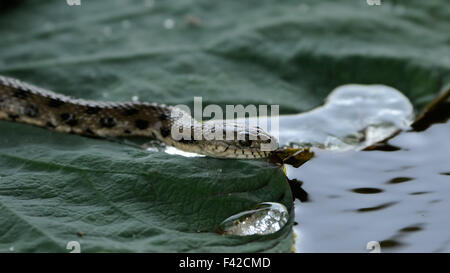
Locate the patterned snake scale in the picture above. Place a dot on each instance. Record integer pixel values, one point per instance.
(26, 103)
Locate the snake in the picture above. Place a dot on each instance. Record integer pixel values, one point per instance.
(27, 103)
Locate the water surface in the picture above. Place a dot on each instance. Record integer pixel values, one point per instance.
(400, 198)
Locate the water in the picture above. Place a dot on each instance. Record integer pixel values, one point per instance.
(398, 198)
(265, 218)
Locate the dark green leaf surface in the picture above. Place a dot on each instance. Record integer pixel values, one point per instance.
(229, 52)
(123, 199)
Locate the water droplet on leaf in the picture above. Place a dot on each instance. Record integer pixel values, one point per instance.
(265, 218)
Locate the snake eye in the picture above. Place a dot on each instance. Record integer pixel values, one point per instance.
(245, 143)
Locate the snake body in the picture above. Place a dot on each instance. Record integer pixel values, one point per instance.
(26, 103)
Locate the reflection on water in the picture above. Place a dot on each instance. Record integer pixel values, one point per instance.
(398, 198)
(397, 180)
(367, 190)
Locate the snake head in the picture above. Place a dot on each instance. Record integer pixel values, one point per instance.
(229, 140)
